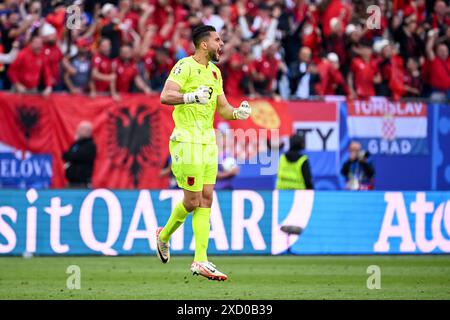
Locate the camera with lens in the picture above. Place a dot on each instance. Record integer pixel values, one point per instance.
(363, 155)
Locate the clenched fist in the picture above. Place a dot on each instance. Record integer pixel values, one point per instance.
(243, 112)
(201, 95)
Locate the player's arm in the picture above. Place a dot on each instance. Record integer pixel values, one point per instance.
(228, 112)
(178, 77)
(171, 94)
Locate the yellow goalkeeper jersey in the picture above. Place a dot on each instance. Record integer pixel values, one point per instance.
(194, 122)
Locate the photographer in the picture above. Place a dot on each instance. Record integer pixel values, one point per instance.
(358, 172)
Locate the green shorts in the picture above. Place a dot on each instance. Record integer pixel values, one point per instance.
(193, 164)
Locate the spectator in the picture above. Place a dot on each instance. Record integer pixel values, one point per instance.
(28, 68)
(440, 18)
(294, 171)
(53, 54)
(391, 71)
(57, 17)
(127, 72)
(181, 41)
(413, 79)
(77, 70)
(12, 30)
(261, 21)
(303, 75)
(157, 68)
(439, 67)
(238, 70)
(331, 80)
(411, 45)
(103, 77)
(326, 26)
(111, 28)
(265, 71)
(363, 73)
(129, 17)
(262, 30)
(357, 170)
(209, 18)
(291, 36)
(311, 32)
(80, 157)
(336, 40)
(353, 36)
(334, 9)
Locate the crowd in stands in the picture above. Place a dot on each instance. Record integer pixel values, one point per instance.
(273, 48)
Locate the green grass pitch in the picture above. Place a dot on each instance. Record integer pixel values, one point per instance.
(250, 277)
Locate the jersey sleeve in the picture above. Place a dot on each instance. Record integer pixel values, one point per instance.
(180, 73)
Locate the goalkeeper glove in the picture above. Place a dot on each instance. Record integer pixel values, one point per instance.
(243, 112)
(201, 95)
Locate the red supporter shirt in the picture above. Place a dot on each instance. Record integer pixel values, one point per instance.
(28, 68)
(54, 57)
(363, 76)
(235, 76)
(104, 66)
(334, 9)
(126, 72)
(160, 15)
(132, 18)
(153, 67)
(394, 73)
(440, 74)
(330, 79)
(268, 67)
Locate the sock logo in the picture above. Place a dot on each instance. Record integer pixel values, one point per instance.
(190, 181)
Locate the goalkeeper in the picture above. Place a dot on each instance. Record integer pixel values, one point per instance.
(195, 88)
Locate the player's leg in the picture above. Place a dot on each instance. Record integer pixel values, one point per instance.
(201, 219)
(201, 227)
(191, 200)
(201, 215)
(189, 178)
(201, 223)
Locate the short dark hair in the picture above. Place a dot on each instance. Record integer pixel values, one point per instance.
(297, 142)
(201, 32)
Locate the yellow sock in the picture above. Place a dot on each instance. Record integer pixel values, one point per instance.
(200, 226)
(176, 219)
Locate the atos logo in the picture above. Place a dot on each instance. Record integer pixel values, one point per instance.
(427, 215)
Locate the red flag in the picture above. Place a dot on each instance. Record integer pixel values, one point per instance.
(131, 136)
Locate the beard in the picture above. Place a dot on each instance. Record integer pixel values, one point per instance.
(214, 56)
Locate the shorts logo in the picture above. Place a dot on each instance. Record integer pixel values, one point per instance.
(190, 181)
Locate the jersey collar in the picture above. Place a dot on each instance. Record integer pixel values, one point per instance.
(206, 67)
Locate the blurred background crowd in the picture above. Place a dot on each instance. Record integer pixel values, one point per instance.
(277, 48)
